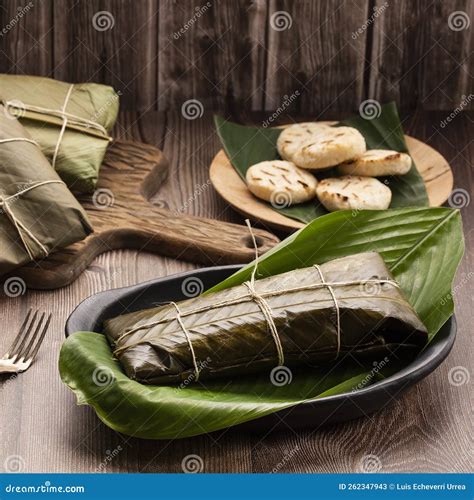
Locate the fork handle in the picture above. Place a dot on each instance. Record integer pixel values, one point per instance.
(7, 366)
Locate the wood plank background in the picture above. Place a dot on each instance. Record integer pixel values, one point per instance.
(249, 54)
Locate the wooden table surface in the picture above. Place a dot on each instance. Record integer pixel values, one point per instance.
(427, 430)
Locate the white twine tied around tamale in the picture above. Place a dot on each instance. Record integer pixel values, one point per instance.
(22, 230)
(259, 298)
(19, 139)
(60, 113)
(336, 307)
(262, 303)
(186, 334)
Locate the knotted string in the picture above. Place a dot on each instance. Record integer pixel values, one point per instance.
(64, 125)
(19, 226)
(61, 113)
(336, 306)
(5, 205)
(262, 303)
(191, 348)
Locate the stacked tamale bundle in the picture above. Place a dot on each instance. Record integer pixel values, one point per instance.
(70, 122)
(309, 316)
(38, 213)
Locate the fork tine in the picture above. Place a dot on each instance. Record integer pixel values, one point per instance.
(26, 336)
(20, 334)
(27, 348)
(40, 339)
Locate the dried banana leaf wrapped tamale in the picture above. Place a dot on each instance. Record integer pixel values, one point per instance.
(38, 213)
(308, 316)
(71, 122)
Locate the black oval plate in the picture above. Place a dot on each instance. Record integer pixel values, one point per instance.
(90, 314)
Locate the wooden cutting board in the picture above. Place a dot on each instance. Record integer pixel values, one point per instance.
(433, 167)
(123, 217)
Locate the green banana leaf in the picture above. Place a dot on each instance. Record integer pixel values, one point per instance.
(82, 148)
(34, 221)
(246, 146)
(168, 412)
(421, 246)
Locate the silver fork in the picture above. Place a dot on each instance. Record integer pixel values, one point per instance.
(24, 348)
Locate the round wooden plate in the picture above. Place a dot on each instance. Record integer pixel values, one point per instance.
(432, 166)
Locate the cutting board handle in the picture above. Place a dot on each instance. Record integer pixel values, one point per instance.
(123, 216)
(185, 237)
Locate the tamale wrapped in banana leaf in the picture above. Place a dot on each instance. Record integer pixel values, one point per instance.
(310, 316)
(38, 213)
(71, 122)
